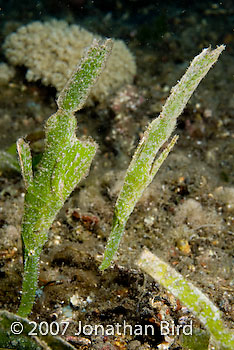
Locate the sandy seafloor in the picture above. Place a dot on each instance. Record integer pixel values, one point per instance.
(185, 217)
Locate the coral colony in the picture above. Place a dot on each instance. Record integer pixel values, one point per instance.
(61, 47)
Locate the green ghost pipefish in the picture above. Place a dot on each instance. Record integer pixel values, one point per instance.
(145, 164)
(65, 161)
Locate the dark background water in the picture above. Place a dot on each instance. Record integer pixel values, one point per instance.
(146, 20)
